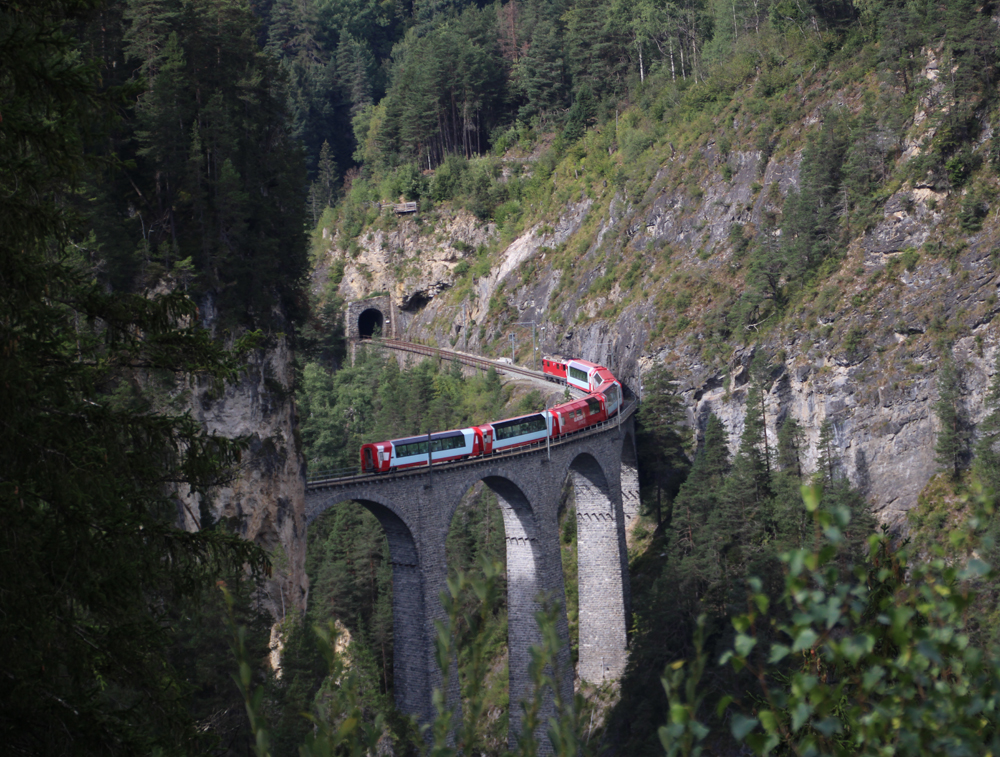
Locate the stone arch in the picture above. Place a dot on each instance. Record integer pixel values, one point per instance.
(369, 320)
(411, 683)
(534, 579)
(602, 560)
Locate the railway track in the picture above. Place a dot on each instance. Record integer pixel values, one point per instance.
(464, 359)
(344, 476)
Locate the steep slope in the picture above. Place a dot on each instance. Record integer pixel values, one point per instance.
(651, 245)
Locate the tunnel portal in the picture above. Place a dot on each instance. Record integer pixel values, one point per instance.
(369, 321)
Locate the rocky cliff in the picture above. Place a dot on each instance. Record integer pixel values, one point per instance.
(265, 501)
(631, 274)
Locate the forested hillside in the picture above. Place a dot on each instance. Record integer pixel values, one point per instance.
(773, 218)
(789, 205)
(115, 628)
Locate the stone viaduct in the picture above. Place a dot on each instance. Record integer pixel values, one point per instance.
(416, 507)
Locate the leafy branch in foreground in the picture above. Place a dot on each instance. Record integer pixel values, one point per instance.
(340, 724)
(883, 664)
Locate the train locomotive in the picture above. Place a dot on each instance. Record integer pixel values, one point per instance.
(602, 402)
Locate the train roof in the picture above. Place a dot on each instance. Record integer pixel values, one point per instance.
(423, 437)
(515, 418)
(586, 363)
(605, 374)
(571, 405)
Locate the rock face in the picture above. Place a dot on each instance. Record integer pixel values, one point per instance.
(265, 503)
(412, 261)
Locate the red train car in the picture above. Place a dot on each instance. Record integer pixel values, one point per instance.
(578, 414)
(554, 366)
(412, 452)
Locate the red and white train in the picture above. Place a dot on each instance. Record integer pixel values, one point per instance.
(603, 401)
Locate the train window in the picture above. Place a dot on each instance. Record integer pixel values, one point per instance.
(598, 380)
(519, 426)
(411, 449)
(577, 374)
(594, 405)
(449, 442)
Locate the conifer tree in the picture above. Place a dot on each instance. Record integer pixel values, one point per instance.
(828, 466)
(791, 517)
(838, 492)
(92, 558)
(662, 436)
(987, 458)
(952, 439)
(695, 542)
(748, 486)
(321, 191)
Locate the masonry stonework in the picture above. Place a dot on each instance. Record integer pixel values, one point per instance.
(416, 510)
(358, 317)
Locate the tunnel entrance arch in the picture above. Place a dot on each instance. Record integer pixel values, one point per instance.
(371, 322)
(366, 316)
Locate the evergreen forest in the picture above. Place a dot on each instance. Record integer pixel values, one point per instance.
(185, 186)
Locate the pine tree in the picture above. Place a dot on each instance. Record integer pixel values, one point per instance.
(356, 71)
(92, 560)
(987, 457)
(695, 544)
(792, 521)
(322, 189)
(662, 436)
(213, 174)
(828, 465)
(748, 485)
(540, 74)
(952, 439)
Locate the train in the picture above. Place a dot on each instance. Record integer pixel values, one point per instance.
(602, 402)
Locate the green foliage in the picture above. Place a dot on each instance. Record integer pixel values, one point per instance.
(810, 229)
(662, 438)
(952, 443)
(730, 520)
(879, 664)
(210, 171)
(337, 724)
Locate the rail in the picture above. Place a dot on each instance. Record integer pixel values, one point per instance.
(461, 357)
(598, 428)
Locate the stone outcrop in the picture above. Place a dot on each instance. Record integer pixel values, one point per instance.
(264, 503)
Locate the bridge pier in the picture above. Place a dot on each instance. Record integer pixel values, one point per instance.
(602, 574)
(534, 583)
(630, 483)
(410, 666)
